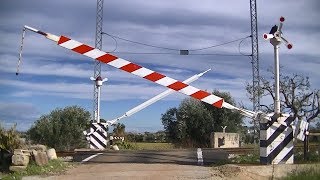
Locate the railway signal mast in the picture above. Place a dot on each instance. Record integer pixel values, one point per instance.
(276, 136)
(275, 37)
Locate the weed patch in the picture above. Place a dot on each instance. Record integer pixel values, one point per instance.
(310, 174)
(53, 167)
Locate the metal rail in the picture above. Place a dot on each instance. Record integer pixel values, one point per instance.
(239, 151)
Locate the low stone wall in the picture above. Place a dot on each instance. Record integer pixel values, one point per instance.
(37, 153)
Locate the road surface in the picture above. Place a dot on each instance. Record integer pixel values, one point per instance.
(180, 156)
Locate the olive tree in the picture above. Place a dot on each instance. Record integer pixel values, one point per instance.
(296, 96)
(61, 129)
(192, 123)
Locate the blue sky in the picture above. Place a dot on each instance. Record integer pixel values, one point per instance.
(54, 77)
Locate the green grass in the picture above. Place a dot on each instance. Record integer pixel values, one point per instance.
(145, 146)
(53, 167)
(310, 174)
(246, 159)
(153, 146)
(240, 159)
(312, 157)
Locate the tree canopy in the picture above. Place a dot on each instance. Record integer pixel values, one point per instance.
(192, 123)
(62, 128)
(296, 96)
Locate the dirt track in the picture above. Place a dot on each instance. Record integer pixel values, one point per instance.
(125, 171)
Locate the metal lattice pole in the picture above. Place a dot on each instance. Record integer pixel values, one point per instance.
(255, 63)
(97, 64)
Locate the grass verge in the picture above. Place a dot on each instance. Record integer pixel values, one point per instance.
(53, 167)
(312, 157)
(145, 146)
(154, 146)
(310, 174)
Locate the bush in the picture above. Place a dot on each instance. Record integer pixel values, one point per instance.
(62, 129)
(9, 139)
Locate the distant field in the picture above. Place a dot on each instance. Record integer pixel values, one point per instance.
(152, 146)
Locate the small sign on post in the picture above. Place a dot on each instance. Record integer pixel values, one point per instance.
(184, 52)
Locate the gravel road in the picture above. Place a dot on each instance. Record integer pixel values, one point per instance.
(126, 171)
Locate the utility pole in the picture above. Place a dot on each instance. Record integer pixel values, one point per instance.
(255, 64)
(97, 64)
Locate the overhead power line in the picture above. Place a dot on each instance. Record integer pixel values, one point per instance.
(173, 49)
(213, 46)
(136, 42)
(167, 53)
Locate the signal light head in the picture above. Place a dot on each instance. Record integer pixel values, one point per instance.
(267, 36)
(99, 78)
(282, 19)
(289, 46)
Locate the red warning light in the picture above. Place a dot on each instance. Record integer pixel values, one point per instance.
(265, 36)
(289, 46)
(282, 19)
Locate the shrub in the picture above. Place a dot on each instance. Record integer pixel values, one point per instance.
(9, 139)
(61, 129)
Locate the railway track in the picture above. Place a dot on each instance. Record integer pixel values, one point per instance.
(240, 151)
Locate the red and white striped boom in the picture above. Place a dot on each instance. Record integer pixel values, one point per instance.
(139, 71)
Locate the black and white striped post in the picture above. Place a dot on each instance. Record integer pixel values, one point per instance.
(97, 135)
(276, 140)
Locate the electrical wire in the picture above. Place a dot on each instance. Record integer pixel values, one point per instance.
(144, 44)
(229, 42)
(116, 45)
(172, 49)
(165, 53)
(239, 47)
(122, 52)
(216, 54)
